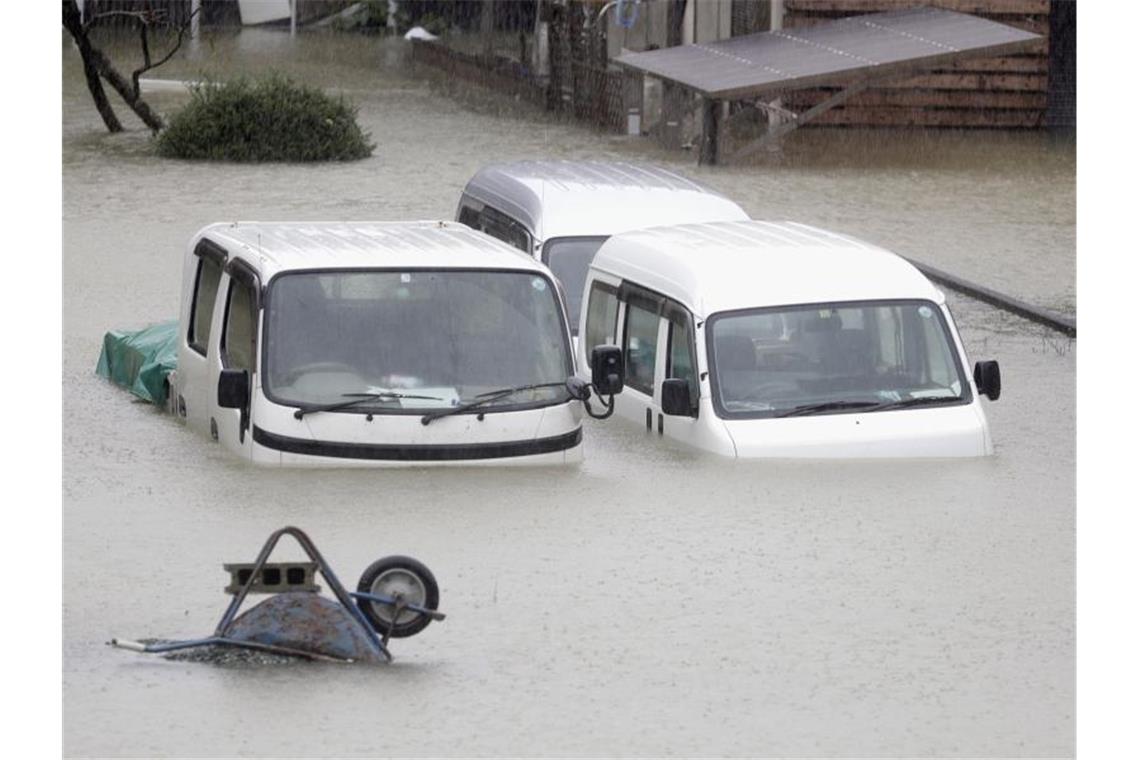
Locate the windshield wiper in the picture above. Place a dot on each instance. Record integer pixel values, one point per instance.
(920, 401)
(357, 398)
(486, 398)
(869, 406)
(827, 406)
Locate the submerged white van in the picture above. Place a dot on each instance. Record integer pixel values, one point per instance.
(374, 343)
(762, 339)
(562, 211)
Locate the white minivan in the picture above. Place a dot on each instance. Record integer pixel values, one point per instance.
(763, 339)
(562, 211)
(369, 343)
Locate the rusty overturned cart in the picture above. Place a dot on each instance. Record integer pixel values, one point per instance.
(397, 597)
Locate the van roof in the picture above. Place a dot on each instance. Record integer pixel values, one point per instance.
(739, 265)
(575, 198)
(273, 247)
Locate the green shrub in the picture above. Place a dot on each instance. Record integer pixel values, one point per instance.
(272, 119)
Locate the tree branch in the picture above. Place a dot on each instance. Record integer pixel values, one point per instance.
(147, 65)
(142, 17)
(96, 64)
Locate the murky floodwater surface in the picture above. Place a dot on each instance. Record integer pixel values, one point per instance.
(651, 601)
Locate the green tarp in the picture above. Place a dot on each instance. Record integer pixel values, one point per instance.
(141, 360)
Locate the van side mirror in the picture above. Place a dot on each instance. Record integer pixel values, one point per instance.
(675, 397)
(987, 376)
(607, 370)
(233, 389)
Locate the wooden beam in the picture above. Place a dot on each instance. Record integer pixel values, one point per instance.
(976, 7)
(972, 81)
(883, 116)
(925, 99)
(1010, 64)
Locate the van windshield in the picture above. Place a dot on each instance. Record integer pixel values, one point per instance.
(413, 340)
(569, 258)
(833, 358)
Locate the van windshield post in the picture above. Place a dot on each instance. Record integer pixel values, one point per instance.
(834, 358)
(570, 258)
(413, 341)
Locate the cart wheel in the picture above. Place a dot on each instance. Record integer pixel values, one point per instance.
(398, 575)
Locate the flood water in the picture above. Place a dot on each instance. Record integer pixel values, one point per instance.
(652, 601)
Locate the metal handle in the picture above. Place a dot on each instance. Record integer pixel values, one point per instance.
(134, 646)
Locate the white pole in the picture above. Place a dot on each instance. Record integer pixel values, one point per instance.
(541, 42)
(292, 18)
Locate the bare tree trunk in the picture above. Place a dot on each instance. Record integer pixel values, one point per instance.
(93, 58)
(126, 91)
(74, 24)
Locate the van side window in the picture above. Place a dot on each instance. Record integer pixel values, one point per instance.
(202, 305)
(640, 346)
(470, 217)
(498, 225)
(680, 362)
(239, 334)
(601, 318)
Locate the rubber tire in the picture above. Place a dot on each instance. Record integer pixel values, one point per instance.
(417, 568)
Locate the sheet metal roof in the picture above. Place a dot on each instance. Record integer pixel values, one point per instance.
(855, 47)
(559, 198)
(276, 246)
(721, 266)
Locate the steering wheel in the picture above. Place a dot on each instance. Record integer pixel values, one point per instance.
(306, 369)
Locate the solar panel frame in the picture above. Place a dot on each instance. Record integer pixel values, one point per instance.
(871, 46)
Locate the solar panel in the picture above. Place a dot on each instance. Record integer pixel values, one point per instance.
(873, 45)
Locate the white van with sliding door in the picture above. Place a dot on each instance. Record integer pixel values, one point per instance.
(762, 339)
(561, 212)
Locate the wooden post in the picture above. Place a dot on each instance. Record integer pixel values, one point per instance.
(710, 129)
(487, 27)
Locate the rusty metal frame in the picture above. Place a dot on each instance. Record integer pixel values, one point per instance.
(310, 549)
(220, 632)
